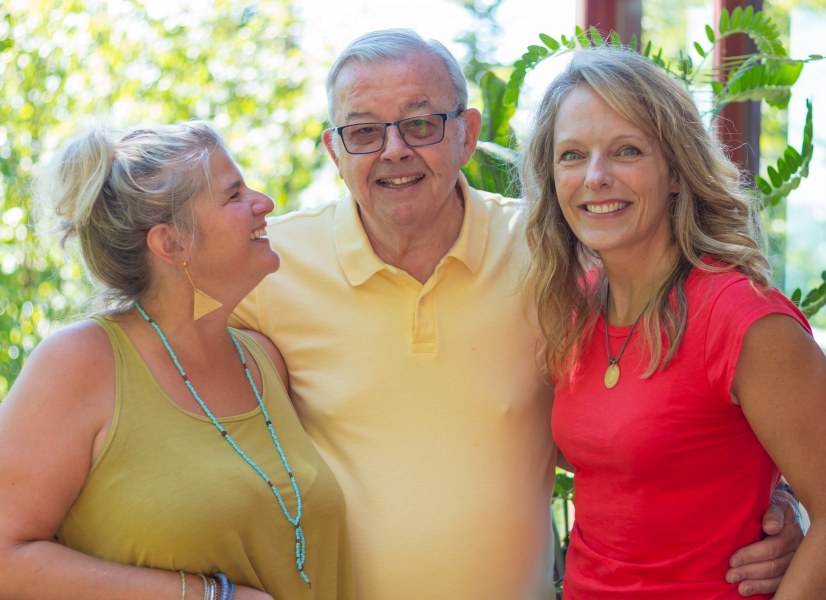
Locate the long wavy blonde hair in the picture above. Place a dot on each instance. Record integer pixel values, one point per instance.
(713, 214)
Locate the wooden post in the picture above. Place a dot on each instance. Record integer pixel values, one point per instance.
(738, 125)
(622, 16)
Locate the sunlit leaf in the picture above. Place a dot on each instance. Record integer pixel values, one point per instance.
(235, 63)
(549, 41)
(710, 33)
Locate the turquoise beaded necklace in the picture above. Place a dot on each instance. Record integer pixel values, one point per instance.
(295, 521)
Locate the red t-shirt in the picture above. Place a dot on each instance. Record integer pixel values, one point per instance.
(670, 479)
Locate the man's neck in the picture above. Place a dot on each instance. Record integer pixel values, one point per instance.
(418, 249)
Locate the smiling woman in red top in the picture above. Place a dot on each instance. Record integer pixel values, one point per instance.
(684, 383)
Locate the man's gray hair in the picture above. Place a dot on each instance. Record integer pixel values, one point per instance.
(387, 44)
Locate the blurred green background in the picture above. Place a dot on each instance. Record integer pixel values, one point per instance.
(256, 70)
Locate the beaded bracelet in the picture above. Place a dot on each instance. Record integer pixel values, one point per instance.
(225, 586)
(183, 585)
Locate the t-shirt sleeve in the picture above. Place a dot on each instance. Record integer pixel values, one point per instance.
(737, 306)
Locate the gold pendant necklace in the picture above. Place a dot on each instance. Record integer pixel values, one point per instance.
(612, 373)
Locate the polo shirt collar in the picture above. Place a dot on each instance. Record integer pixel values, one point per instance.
(359, 261)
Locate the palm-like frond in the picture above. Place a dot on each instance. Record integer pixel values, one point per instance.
(790, 169)
(766, 74)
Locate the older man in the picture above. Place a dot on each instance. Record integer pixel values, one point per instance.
(412, 355)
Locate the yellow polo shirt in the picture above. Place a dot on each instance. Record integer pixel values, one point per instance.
(424, 399)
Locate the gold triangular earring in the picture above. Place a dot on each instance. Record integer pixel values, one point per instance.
(204, 303)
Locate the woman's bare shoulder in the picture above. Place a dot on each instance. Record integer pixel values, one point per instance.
(75, 360)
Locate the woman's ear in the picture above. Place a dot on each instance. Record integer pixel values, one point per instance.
(164, 241)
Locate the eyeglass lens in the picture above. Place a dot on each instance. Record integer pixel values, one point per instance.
(415, 131)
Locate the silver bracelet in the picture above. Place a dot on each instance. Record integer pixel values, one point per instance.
(210, 587)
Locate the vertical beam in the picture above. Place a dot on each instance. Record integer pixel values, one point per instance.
(738, 125)
(622, 16)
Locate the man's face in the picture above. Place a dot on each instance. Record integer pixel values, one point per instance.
(399, 188)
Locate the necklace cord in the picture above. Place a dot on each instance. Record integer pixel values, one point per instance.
(295, 521)
(611, 359)
(612, 373)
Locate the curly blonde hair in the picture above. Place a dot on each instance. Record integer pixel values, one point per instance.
(713, 215)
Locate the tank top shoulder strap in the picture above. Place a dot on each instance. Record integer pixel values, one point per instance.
(268, 371)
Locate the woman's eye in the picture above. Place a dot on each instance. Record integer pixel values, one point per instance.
(569, 155)
(629, 151)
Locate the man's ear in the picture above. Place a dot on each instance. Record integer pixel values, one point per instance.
(327, 138)
(473, 125)
(164, 241)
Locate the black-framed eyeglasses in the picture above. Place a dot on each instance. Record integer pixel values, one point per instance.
(421, 130)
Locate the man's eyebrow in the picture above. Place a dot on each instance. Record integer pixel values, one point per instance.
(359, 116)
(418, 105)
(356, 116)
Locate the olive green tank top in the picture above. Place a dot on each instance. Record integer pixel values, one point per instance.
(168, 491)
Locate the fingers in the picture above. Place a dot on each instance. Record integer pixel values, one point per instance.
(759, 577)
(790, 533)
(784, 508)
(764, 552)
(783, 533)
(753, 588)
(775, 516)
(759, 567)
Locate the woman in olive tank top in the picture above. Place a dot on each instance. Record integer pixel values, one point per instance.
(150, 451)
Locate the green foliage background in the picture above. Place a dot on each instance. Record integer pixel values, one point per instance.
(767, 74)
(238, 64)
(125, 62)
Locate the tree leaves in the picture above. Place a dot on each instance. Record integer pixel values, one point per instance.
(766, 75)
(65, 62)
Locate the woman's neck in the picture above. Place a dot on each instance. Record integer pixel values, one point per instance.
(630, 286)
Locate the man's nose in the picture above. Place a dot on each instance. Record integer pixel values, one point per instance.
(394, 144)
